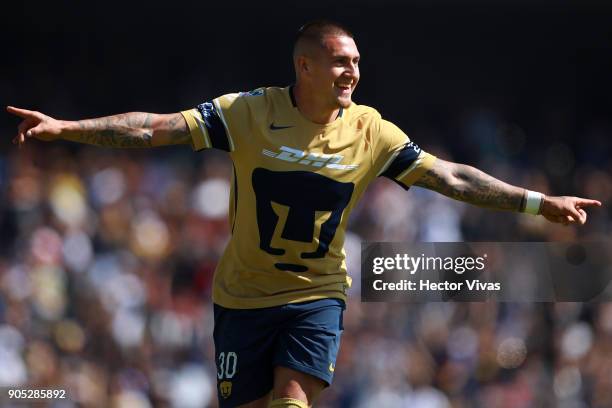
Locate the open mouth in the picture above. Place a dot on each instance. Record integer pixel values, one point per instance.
(345, 89)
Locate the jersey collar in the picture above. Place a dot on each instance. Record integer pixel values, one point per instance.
(294, 103)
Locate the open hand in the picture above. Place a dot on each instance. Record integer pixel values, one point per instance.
(566, 210)
(35, 124)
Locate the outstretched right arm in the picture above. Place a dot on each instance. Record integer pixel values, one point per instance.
(134, 129)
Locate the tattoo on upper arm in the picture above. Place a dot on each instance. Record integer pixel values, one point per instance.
(432, 181)
(468, 184)
(178, 130)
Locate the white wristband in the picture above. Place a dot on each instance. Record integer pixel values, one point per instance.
(533, 202)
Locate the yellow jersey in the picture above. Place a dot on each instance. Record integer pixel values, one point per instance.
(294, 185)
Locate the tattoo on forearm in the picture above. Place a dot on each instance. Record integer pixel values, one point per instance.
(124, 130)
(472, 186)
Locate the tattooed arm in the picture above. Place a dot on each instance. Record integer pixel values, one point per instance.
(468, 184)
(134, 129)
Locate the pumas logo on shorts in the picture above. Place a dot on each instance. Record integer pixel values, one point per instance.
(330, 161)
(225, 388)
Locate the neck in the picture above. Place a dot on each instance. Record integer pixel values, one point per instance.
(313, 108)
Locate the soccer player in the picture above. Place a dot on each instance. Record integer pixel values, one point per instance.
(303, 156)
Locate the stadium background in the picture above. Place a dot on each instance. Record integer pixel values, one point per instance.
(106, 256)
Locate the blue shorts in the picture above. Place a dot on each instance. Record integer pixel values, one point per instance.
(249, 343)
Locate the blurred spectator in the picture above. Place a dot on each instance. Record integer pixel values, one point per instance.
(105, 291)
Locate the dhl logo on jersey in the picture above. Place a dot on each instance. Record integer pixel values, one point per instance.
(330, 161)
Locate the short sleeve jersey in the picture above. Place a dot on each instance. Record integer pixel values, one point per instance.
(294, 185)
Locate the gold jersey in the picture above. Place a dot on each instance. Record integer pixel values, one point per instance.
(294, 185)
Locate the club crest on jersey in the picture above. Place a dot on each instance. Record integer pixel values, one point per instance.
(225, 388)
(330, 161)
(254, 92)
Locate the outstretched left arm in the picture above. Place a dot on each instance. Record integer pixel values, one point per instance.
(468, 184)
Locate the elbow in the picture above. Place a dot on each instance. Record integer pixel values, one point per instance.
(458, 176)
(462, 172)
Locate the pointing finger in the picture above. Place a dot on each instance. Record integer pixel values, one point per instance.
(23, 113)
(585, 202)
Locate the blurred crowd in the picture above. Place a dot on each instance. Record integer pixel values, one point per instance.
(107, 258)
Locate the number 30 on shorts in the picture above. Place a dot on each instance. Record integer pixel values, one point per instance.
(226, 365)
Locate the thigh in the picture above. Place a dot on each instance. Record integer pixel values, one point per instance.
(309, 340)
(244, 349)
(289, 383)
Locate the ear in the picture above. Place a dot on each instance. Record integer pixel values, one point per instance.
(303, 64)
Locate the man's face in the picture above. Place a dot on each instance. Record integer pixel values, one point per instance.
(335, 70)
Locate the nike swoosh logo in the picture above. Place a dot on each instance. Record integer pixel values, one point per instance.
(274, 127)
(331, 367)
